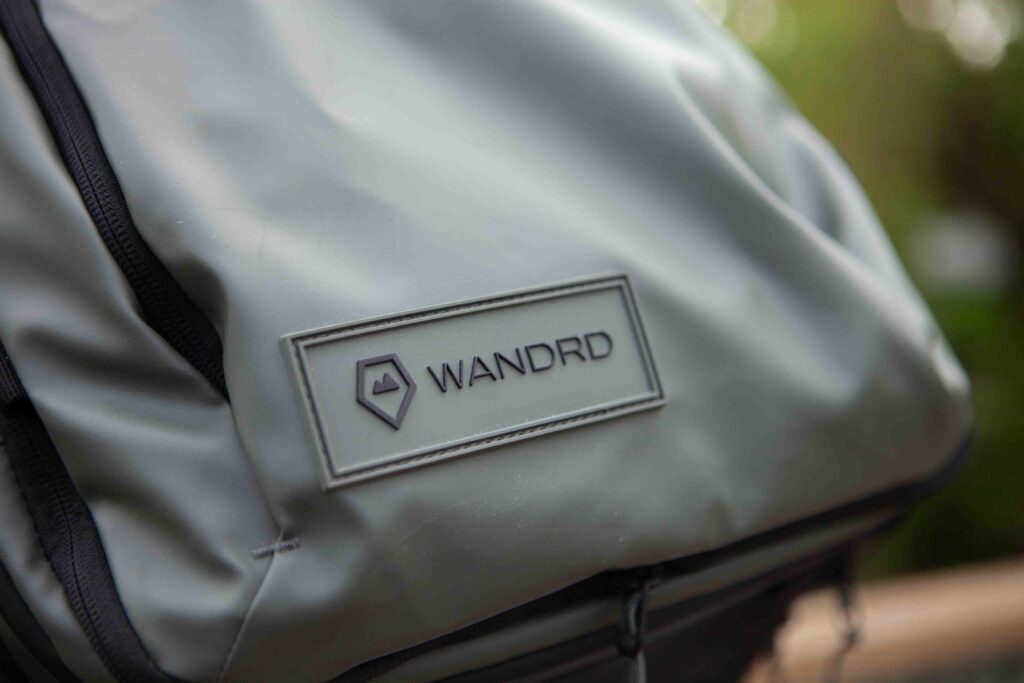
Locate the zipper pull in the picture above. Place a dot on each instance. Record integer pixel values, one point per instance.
(631, 629)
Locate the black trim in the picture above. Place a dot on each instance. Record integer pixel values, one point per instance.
(18, 616)
(164, 305)
(69, 537)
(9, 666)
(787, 582)
(609, 583)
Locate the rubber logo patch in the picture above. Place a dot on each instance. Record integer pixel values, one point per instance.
(408, 390)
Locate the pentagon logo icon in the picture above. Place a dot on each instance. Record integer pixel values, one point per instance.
(384, 387)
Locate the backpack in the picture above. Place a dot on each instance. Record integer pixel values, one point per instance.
(403, 340)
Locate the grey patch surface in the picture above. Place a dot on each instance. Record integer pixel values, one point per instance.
(490, 371)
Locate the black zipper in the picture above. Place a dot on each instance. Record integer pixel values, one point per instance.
(163, 304)
(629, 639)
(63, 522)
(69, 539)
(639, 624)
(897, 498)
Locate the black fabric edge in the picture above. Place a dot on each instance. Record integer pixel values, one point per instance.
(71, 542)
(815, 571)
(163, 304)
(9, 665)
(606, 582)
(19, 618)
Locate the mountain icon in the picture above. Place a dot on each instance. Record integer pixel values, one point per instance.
(385, 384)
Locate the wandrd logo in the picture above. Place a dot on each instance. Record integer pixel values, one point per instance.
(491, 371)
(529, 359)
(388, 398)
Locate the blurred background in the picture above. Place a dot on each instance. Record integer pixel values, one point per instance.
(925, 101)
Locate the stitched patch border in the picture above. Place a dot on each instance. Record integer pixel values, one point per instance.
(297, 347)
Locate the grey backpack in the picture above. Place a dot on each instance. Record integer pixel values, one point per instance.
(409, 340)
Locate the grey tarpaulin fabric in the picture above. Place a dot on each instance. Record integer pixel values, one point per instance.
(296, 168)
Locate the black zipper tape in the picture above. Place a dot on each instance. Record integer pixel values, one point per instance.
(10, 666)
(784, 583)
(31, 636)
(632, 627)
(613, 583)
(69, 538)
(163, 304)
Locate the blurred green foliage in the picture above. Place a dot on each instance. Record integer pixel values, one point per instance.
(928, 133)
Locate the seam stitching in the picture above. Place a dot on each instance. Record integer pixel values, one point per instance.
(435, 455)
(457, 307)
(287, 545)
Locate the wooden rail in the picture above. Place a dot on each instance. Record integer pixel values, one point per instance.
(910, 627)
